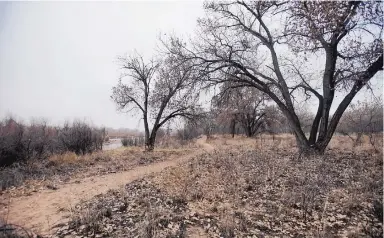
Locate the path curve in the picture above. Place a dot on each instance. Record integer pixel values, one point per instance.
(45, 209)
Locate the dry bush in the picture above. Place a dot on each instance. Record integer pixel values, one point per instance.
(56, 168)
(81, 138)
(124, 141)
(11, 177)
(90, 220)
(20, 142)
(133, 141)
(11, 142)
(164, 141)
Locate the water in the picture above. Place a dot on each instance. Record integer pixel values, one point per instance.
(112, 144)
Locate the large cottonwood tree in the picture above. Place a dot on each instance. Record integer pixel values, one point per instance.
(159, 90)
(284, 49)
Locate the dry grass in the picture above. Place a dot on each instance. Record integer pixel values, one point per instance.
(248, 188)
(90, 220)
(275, 193)
(265, 143)
(345, 143)
(35, 175)
(136, 210)
(68, 157)
(174, 143)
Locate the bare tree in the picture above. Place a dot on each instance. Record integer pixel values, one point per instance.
(160, 90)
(243, 105)
(279, 47)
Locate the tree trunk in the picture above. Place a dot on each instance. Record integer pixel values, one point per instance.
(150, 144)
(147, 136)
(150, 141)
(306, 149)
(248, 132)
(316, 122)
(233, 127)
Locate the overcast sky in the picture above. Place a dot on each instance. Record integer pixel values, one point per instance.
(58, 59)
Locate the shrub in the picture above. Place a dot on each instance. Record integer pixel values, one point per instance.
(80, 138)
(124, 141)
(11, 142)
(19, 142)
(133, 141)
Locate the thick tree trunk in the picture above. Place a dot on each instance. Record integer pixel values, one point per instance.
(147, 136)
(150, 144)
(315, 124)
(150, 141)
(306, 149)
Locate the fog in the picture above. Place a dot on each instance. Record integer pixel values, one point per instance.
(58, 59)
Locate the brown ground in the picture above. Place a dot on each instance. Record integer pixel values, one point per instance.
(229, 187)
(43, 210)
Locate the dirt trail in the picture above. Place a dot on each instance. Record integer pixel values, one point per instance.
(43, 210)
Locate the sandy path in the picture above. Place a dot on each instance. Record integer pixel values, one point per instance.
(47, 208)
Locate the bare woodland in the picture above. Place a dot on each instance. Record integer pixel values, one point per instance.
(251, 127)
(240, 44)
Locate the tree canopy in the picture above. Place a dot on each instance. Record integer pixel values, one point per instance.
(286, 48)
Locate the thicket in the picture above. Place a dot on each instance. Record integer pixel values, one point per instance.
(20, 142)
(133, 141)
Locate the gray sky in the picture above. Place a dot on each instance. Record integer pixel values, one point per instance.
(58, 59)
